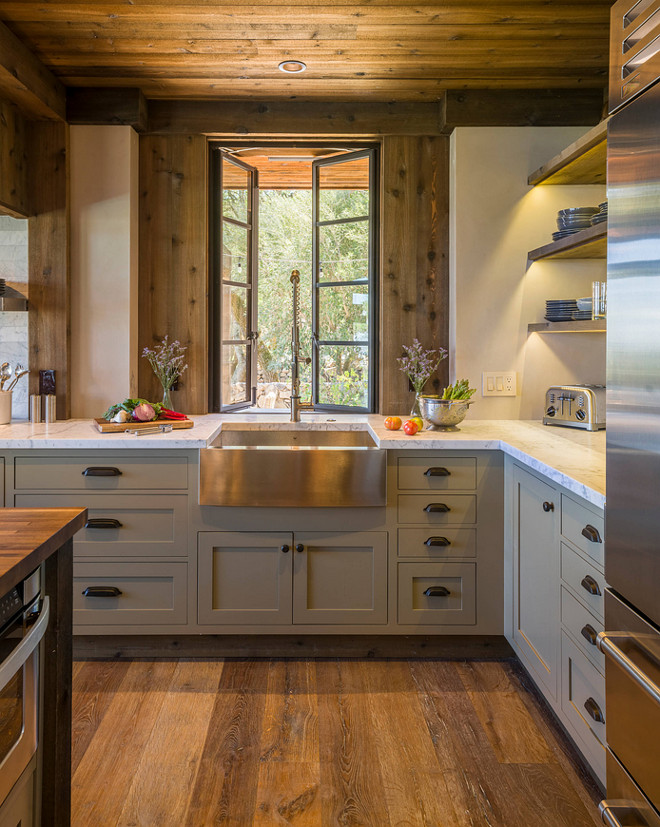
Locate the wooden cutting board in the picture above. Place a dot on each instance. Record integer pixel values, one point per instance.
(106, 427)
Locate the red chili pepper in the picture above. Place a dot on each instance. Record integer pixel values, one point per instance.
(166, 413)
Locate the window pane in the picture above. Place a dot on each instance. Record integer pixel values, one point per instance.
(235, 182)
(234, 311)
(234, 374)
(344, 251)
(344, 313)
(344, 190)
(343, 375)
(234, 252)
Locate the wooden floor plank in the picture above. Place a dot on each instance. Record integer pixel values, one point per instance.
(172, 754)
(320, 743)
(225, 790)
(512, 733)
(105, 773)
(352, 791)
(96, 683)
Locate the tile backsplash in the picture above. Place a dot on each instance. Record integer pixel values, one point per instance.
(14, 326)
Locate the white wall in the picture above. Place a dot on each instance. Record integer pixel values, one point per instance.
(496, 219)
(14, 324)
(104, 232)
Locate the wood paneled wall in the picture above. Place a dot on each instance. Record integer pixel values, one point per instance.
(173, 259)
(48, 258)
(415, 260)
(13, 162)
(173, 293)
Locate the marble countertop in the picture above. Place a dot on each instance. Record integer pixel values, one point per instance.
(573, 458)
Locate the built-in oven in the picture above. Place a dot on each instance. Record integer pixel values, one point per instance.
(23, 622)
(632, 664)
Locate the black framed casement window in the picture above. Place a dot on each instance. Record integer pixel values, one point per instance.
(325, 225)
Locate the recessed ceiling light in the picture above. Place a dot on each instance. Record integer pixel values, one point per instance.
(292, 66)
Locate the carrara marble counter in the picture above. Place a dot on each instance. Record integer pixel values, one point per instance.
(571, 457)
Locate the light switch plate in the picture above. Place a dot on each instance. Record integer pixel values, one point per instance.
(499, 383)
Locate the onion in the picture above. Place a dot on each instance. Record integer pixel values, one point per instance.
(144, 412)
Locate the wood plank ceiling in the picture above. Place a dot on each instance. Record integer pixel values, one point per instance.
(381, 50)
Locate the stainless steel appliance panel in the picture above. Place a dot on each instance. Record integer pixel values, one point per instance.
(632, 561)
(631, 647)
(626, 805)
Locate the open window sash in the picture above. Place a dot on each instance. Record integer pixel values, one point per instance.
(234, 333)
(344, 266)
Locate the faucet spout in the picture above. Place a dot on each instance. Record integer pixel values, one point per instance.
(296, 358)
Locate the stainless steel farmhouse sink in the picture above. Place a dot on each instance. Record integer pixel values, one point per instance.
(292, 468)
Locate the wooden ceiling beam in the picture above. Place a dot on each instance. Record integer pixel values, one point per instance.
(243, 118)
(521, 107)
(25, 81)
(107, 105)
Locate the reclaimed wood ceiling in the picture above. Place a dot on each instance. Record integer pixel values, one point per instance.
(402, 50)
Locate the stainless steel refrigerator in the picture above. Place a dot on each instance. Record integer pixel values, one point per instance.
(631, 641)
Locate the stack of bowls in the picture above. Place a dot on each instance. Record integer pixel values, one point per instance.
(572, 220)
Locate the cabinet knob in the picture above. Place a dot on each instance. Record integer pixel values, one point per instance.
(548, 506)
(592, 534)
(437, 472)
(590, 585)
(435, 508)
(300, 547)
(594, 710)
(284, 549)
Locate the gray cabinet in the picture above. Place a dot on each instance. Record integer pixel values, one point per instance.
(536, 575)
(556, 583)
(280, 578)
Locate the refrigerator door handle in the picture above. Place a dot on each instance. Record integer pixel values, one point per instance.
(607, 643)
(610, 811)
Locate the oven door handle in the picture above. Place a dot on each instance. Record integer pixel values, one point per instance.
(610, 811)
(26, 647)
(607, 643)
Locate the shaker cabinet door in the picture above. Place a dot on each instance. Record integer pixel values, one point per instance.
(536, 612)
(244, 577)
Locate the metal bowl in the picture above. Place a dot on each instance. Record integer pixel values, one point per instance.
(443, 414)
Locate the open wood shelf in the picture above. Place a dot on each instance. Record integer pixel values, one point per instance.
(583, 162)
(580, 326)
(589, 243)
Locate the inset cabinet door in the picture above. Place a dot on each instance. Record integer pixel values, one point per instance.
(244, 577)
(536, 599)
(340, 578)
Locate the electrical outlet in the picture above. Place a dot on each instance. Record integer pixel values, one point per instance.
(498, 383)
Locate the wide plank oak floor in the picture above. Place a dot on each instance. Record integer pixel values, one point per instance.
(319, 743)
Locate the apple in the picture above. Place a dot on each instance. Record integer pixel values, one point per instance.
(410, 427)
(392, 423)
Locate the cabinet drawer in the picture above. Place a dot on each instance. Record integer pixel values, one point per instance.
(455, 607)
(583, 689)
(583, 578)
(419, 508)
(583, 627)
(116, 472)
(150, 524)
(451, 542)
(575, 519)
(437, 473)
(151, 593)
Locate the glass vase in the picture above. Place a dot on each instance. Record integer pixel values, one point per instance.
(417, 406)
(167, 399)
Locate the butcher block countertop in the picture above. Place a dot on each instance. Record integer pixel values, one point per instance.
(29, 535)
